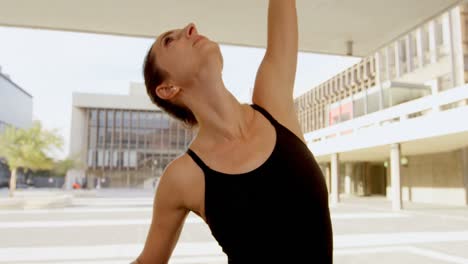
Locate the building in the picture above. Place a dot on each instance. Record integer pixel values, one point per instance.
(394, 124)
(15, 104)
(124, 140)
(15, 110)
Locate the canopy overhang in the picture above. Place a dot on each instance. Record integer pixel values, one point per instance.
(341, 27)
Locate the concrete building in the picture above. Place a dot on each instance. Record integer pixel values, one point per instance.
(15, 104)
(124, 140)
(15, 110)
(394, 124)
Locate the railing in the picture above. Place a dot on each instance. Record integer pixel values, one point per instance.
(311, 106)
(399, 113)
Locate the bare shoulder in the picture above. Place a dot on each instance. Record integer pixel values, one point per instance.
(181, 176)
(180, 166)
(180, 171)
(284, 113)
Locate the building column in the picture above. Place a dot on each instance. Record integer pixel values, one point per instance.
(335, 178)
(420, 47)
(456, 26)
(464, 168)
(396, 177)
(409, 53)
(435, 93)
(90, 180)
(348, 177)
(398, 70)
(448, 41)
(432, 42)
(128, 179)
(378, 78)
(79, 133)
(326, 174)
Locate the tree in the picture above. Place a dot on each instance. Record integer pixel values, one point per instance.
(28, 149)
(61, 167)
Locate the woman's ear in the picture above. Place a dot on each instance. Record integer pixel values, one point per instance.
(167, 91)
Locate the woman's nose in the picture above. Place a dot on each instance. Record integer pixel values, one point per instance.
(190, 30)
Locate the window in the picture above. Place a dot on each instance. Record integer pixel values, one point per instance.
(334, 114)
(128, 139)
(465, 62)
(101, 128)
(373, 102)
(426, 44)
(110, 129)
(439, 32)
(402, 50)
(92, 136)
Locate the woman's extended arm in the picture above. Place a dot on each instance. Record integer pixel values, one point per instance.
(275, 77)
(168, 218)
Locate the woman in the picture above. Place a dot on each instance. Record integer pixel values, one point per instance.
(248, 173)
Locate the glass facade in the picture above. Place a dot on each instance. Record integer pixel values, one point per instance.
(340, 112)
(15, 104)
(3, 126)
(127, 147)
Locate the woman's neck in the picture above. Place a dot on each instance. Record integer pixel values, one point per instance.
(221, 118)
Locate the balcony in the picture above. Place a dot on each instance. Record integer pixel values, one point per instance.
(429, 124)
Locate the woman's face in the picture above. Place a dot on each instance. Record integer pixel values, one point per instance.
(185, 55)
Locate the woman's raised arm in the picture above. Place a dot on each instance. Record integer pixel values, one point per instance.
(274, 84)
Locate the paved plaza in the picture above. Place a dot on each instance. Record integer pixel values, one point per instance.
(111, 226)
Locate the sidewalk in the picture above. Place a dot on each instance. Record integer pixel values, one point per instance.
(366, 230)
(112, 227)
(35, 198)
(381, 203)
(44, 198)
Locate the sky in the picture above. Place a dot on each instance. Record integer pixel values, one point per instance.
(51, 65)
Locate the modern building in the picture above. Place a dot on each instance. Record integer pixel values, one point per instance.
(15, 110)
(15, 104)
(124, 140)
(396, 123)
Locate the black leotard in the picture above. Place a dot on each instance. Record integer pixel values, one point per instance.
(276, 213)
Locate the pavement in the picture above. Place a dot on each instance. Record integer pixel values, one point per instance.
(110, 226)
